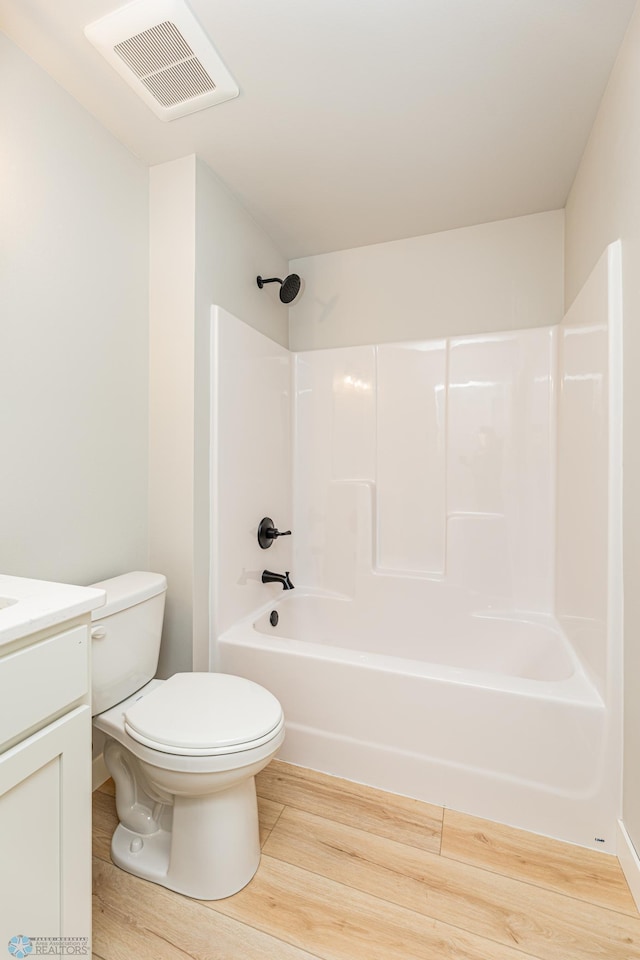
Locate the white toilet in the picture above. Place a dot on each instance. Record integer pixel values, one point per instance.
(183, 752)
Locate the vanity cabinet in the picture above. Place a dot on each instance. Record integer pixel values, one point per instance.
(45, 832)
(45, 784)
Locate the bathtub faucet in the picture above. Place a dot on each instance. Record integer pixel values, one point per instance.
(283, 578)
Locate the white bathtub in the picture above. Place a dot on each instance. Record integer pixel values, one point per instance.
(486, 713)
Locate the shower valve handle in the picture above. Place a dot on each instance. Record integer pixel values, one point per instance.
(267, 533)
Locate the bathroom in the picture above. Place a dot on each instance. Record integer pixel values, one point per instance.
(115, 260)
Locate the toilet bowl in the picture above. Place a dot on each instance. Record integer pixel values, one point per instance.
(183, 753)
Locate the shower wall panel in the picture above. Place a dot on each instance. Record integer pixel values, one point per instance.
(584, 471)
(411, 456)
(429, 460)
(500, 477)
(251, 465)
(335, 447)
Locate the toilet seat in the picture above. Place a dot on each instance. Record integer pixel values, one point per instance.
(111, 722)
(204, 714)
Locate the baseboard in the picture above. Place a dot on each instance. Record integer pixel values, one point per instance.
(629, 861)
(99, 772)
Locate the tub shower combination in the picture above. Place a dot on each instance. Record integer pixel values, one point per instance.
(454, 631)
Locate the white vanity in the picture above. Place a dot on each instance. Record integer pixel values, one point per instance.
(45, 764)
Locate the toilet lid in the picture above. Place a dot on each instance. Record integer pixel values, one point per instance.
(200, 713)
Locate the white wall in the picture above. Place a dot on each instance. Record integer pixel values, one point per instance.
(74, 337)
(604, 204)
(231, 251)
(205, 249)
(171, 400)
(496, 276)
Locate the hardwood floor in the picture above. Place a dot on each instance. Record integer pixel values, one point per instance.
(352, 873)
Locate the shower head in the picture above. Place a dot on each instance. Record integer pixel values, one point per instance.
(289, 287)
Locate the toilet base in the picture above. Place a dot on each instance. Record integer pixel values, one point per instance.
(211, 852)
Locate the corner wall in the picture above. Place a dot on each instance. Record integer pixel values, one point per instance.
(505, 275)
(205, 249)
(604, 204)
(74, 343)
(171, 400)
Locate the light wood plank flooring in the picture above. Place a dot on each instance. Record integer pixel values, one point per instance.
(352, 873)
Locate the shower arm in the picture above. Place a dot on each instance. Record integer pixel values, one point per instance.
(289, 287)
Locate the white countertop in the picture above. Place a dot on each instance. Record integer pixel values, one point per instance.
(27, 606)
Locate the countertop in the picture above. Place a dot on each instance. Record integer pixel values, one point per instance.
(27, 606)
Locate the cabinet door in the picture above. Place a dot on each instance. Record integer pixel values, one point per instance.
(45, 834)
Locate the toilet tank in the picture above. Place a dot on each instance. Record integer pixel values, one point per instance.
(125, 637)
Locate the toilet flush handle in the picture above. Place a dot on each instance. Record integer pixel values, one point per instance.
(98, 633)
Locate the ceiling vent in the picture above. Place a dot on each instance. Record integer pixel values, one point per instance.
(161, 50)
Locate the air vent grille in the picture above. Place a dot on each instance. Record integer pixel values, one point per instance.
(151, 50)
(160, 49)
(166, 64)
(179, 83)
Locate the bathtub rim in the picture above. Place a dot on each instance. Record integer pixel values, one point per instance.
(577, 688)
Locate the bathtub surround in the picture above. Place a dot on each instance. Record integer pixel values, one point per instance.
(589, 478)
(444, 450)
(420, 651)
(250, 466)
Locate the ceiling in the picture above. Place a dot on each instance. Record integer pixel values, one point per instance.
(363, 122)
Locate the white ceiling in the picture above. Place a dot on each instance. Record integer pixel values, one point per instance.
(359, 122)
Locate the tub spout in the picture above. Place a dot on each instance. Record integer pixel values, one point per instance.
(283, 578)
